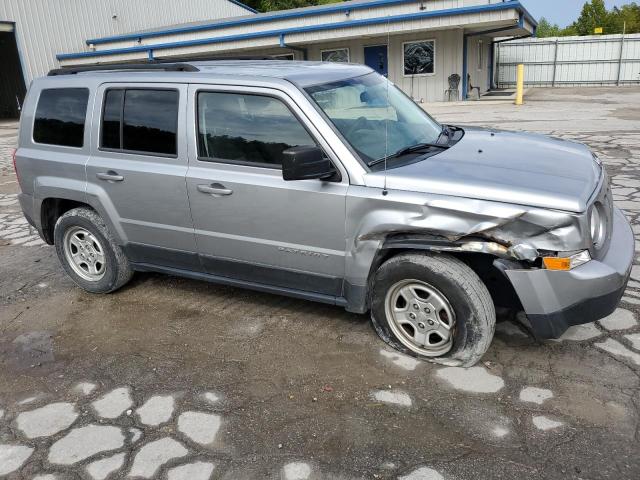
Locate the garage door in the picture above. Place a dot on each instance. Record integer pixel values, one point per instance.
(12, 86)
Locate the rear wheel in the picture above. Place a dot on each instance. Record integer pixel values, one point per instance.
(433, 307)
(88, 252)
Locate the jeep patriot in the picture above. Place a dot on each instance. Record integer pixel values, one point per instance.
(325, 182)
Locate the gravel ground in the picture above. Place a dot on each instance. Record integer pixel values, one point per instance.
(178, 379)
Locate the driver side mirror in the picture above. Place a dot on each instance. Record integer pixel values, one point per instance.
(306, 162)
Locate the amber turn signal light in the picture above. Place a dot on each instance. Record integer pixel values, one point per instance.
(555, 263)
(566, 263)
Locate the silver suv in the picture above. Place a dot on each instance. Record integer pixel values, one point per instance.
(324, 182)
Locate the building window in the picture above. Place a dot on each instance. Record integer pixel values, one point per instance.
(480, 54)
(140, 121)
(246, 129)
(419, 57)
(60, 117)
(335, 55)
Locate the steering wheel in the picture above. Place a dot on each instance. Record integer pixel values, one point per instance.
(358, 124)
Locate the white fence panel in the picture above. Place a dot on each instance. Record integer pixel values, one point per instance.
(570, 61)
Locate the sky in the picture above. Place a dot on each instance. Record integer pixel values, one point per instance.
(562, 12)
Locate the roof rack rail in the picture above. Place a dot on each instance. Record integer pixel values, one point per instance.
(168, 67)
(215, 58)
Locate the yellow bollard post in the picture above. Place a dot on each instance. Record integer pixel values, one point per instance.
(520, 85)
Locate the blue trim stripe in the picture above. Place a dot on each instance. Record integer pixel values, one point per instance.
(287, 14)
(283, 14)
(287, 31)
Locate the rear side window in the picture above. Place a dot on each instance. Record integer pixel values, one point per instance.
(140, 120)
(60, 116)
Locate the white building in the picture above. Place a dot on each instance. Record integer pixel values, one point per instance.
(419, 43)
(32, 32)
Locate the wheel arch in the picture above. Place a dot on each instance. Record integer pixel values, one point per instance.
(51, 209)
(487, 259)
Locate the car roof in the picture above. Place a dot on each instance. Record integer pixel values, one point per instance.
(301, 73)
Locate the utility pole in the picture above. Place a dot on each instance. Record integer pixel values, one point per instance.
(624, 30)
(555, 64)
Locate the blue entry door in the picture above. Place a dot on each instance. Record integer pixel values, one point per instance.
(376, 58)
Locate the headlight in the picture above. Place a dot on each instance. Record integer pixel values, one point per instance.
(597, 224)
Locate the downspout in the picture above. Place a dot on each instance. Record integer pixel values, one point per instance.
(283, 44)
(491, 60)
(465, 82)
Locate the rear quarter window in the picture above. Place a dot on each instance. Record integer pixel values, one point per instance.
(60, 117)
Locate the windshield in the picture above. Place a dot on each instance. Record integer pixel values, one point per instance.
(359, 109)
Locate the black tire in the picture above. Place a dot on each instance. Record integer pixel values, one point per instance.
(475, 316)
(117, 270)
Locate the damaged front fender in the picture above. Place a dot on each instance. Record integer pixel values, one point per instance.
(504, 230)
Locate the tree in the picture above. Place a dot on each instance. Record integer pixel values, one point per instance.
(255, 4)
(594, 14)
(546, 29)
(627, 15)
(271, 5)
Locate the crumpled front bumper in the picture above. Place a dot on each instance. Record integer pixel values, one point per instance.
(556, 300)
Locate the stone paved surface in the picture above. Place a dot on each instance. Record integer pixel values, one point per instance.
(171, 378)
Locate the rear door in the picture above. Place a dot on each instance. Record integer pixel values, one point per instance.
(250, 223)
(137, 171)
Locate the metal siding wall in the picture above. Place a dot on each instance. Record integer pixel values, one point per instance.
(288, 23)
(301, 39)
(591, 60)
(336, 17)
(47, 27)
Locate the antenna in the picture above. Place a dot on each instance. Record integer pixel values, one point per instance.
(386, 115)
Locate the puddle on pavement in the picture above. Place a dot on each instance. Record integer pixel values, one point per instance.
(32, 349)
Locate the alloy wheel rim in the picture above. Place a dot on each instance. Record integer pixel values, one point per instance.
(421, 317)
(84, 254)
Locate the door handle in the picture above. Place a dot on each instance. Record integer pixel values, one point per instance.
(110, 176)
(215, 189)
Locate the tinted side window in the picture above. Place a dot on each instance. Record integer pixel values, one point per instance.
(111, 119)
(150, 121)
(60, 116)
(246, 128)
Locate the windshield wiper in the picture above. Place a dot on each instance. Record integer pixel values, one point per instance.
(413, 148)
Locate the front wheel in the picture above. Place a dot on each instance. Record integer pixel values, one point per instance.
(433, 307)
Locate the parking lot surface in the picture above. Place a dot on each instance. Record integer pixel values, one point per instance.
(179, 379)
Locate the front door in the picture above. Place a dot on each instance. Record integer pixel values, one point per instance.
(137, 171)
(375, 57)
(252, 225)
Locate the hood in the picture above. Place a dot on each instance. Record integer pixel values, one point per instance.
(520, 168)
